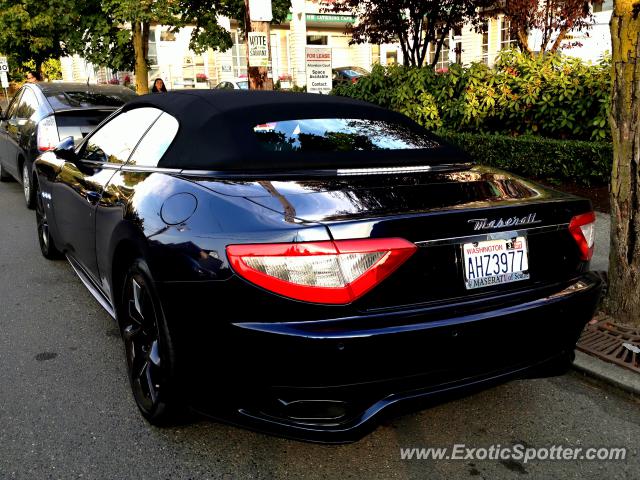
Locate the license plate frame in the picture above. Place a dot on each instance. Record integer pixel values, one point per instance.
(492, 247)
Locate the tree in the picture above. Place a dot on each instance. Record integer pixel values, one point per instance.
(623, 299)
(32, 30)
(115, 33)
(207, 32)
(413, 23)
(554, 18)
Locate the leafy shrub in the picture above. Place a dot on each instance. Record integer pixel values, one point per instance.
(551, 95)
(583, 162)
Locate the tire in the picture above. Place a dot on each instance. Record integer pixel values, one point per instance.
(47, 245)
(27, 186)
(4, 176)
(149, 349)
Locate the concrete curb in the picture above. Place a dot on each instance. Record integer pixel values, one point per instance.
(608, 372)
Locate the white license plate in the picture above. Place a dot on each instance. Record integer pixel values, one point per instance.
(493, 262)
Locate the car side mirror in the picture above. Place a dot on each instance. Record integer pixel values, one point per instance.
(66, 150)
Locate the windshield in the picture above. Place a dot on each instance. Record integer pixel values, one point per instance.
(339, 135)
(353, 72)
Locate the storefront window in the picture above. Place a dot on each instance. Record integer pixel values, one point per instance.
(317, 40)
(153, 51)
(239, 55)
(375, 54)
(505, 35)
(443, 57)
(167, 36)
(485, 43)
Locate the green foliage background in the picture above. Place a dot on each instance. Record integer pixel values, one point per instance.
(573, 161)
(550, 95)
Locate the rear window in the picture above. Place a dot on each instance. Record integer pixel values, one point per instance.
(243, 85)
(89, 99)
(339, 135)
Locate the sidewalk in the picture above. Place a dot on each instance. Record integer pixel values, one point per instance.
(594, 366)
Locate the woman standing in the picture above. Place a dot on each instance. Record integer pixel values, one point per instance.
(158, 86)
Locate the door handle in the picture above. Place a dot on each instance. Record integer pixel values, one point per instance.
(93, 197)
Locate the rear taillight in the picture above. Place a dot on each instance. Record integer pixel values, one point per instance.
(582, 228)
(48, 136)
(337, 272)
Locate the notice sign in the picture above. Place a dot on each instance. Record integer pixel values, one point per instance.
(319, 75)
(4, 80)
(4, 65)
(260, 10)
(258, 49)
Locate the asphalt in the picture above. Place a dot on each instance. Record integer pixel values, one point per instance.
(66, 410)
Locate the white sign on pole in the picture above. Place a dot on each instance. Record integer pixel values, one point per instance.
(318, 65)
(260, 10)
(4, 65)
(258, 49)
(4, 79)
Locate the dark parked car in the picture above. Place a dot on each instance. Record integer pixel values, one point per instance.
(348, 74)
(301, 264)
(42, 114)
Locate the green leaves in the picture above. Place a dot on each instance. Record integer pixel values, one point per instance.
(32, 30)
(549, 95)
(586, 163)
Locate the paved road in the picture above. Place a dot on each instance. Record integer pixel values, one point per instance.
(66, 411)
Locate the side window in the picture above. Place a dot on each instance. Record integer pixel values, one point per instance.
(28, 104)
(156, 141)
(11, 111)
(115, 140)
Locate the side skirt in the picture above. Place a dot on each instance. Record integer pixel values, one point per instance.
(96, 291)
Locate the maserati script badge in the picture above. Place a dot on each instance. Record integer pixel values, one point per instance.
(486, 224)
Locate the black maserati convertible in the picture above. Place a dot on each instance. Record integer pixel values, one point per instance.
(303, 264)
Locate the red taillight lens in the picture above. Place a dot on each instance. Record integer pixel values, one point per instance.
(48, 137)
(337, 272)
(582, 228)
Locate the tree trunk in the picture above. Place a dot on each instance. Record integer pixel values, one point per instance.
(559, 39)
(623, 301)
(258, 76)
(140, 47)
(523, 41)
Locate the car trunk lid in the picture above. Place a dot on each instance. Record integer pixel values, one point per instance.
(438, 211)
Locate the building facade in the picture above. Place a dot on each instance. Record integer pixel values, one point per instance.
(307, 26)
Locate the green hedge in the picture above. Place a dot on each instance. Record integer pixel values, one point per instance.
(586, 163)
(548, 95)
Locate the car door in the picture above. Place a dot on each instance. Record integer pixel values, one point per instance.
(80, 184)
(22, 130)
(7, 158)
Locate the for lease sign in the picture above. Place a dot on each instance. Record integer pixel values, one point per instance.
(318, 65)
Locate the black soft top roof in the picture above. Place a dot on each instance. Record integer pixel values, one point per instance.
(216, 131)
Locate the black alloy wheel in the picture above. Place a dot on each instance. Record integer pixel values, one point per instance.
(148, 347)
(29, 196)
(47, 245)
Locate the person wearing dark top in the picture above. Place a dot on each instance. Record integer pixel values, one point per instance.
(33, 76)
(158, 86)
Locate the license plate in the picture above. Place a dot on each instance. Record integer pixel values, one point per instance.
(493, 262)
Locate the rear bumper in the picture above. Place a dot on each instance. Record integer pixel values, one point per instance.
(330, 381)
